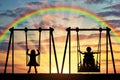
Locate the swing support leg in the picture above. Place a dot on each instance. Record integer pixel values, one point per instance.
(108, 39)
(8, 50)
(50, 52)
(13, 53)
(112, 53)
(55, 53)
(64, 54)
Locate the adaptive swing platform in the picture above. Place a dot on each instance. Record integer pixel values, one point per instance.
(88, 69)
(59, 76)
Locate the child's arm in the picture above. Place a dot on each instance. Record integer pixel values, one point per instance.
(80, 52)
(96, 52)
(27, 52)
(38, 53)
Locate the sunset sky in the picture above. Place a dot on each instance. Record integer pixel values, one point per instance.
(10, 10)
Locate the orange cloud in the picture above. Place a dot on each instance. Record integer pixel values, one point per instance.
(50, 16)
(29, 6)
(66, 19)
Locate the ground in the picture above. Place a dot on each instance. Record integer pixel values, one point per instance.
(60, 76)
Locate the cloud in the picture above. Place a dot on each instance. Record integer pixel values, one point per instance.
(3, 64)
(15, 12)
(8, 13)
(80, 16)
(59, 27)
(110, 13)
(81, 36)
(47, 20)
(45, 24)
(66, 19)
(97, 1)
(22, 10)
(63, 38)
(116, 23)
(18, 46)
(112, 17)
(50, 16)
(96, 35)
(2, 14)
(116, 6)
(1, 29)
(60, 39)
(3, 46)
(35, 4)
(33, 44)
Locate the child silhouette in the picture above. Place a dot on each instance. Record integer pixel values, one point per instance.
(88, 60)
(32, 61)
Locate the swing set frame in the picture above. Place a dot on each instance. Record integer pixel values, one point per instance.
(68, 42)
(51, 43)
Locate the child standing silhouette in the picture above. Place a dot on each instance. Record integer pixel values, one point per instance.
(32, 61)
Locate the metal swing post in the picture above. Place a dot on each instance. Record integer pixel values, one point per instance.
(10, 39)
(13, 52)
(107, 32)
(51, 29)
(68, 39)
(69, 50)
(50, 51)
(65, 52)
(111, 50)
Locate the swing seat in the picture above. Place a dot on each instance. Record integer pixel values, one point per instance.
(82, 68)
(35, 62)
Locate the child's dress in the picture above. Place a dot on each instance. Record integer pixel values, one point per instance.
(32, 61)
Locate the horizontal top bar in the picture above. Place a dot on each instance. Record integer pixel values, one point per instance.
(26, 29)
(68, 29)
(49, 29)
(31, 29)
(87, 29)
(78, 29)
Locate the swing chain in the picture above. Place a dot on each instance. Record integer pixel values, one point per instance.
(78, 48)
(99, 47)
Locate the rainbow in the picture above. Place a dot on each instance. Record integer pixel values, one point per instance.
(44, 10)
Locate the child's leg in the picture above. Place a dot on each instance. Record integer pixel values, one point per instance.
(35, 69)
(29, 69)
